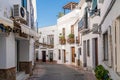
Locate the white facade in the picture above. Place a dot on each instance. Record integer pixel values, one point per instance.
(17, 48)
(102, 51)
(48, 36)
(109, 25)
(66, 22)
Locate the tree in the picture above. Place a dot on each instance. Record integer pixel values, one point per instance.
(60, 14)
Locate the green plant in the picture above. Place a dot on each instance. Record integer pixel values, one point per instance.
(101, 73)
(61, 37)
(71, 35)
(60, 14)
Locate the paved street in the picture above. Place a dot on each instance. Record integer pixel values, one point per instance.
(58, 72)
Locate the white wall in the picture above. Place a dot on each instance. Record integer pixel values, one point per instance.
(2, 52)
(10, 50)
(109, 20)
(31, 51)
(7, 52)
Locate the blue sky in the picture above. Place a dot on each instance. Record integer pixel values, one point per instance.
(47, 11)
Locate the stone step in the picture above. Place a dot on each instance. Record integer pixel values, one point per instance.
(21, 76)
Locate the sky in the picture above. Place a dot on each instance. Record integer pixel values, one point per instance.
(47, 11)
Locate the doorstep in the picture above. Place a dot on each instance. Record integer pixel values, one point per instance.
(21, 76)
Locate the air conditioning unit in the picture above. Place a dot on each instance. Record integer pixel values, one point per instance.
(19, 12)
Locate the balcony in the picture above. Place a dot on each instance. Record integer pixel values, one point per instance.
(83, 25)
(71, 39)
(45, 45)
(51, 46)
(62, 40)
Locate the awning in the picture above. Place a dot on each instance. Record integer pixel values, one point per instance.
(25, 29)
(6, 22)
(34, 33)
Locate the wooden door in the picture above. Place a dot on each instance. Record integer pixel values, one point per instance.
(96, 51)
(64, 56)
(73, 54)
(117, 41)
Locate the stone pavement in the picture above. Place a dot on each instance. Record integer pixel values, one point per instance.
(51, 71)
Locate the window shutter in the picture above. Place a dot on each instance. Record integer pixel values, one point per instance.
(110, 47)
(94, 4)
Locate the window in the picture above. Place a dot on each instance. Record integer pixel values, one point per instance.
(83, 23)
(28, 18)
(88, 47)
(59, 57)
(43, 40)
(105, 44)
(24, 4)
(63, 31)
(80, 24)
(80, 51)
(72, 29)
(51, 39)
(94, 7)
(94, 4)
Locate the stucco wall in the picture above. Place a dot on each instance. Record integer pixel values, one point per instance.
(2, 52)
(7, 52)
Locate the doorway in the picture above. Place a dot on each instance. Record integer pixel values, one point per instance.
(73, 54)
(117, 44)
(79, 53)
(84, 54)
(17, 54)
(37, 56)
(44, 56)
(95, 51)
(51, 57)
(64, 51)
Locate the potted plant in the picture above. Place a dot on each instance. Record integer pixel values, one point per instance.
(62, 39)
(70, 38)
(71, 35)
(101, 73)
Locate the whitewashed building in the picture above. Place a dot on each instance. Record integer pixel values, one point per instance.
(48, 44)
(108, 24)
(89, 42)
(17, 37)
(67, 35)
(100, 39)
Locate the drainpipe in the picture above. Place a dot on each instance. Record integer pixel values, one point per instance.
(107, 12)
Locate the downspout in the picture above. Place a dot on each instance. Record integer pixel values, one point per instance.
(107, 12)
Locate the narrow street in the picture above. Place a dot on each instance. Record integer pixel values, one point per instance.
(49, 71)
